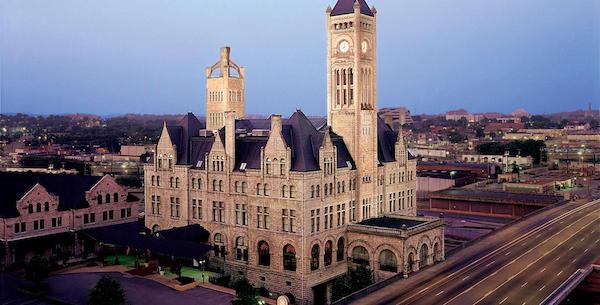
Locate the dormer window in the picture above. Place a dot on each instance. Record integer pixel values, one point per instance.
(218, 163)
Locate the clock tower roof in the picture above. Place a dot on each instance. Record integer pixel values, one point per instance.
(343, 7)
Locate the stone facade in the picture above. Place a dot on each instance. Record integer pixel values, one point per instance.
(279, 196)
(224, 90)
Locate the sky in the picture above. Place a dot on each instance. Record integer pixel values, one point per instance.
(148, 56)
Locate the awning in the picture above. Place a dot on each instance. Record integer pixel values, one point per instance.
(135, 236)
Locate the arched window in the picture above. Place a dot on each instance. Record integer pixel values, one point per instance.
(99, 199)
(360, 255)
(236, 186)
(219, 245)
(436, 253)
(289, 258)
(318, 190)
(259, 189)
(340, 249)
(30, 208)
(282, 167)
(170, 181)
(46, 206)
(292, 195)
(244, 187)
(153, 180)
(38, 207)
(116, 197)
(193, 183)
(157, 180)
(214, 185)
(241, 249)
(314, 257)
(410, 263)
(312, 191)
(387, 261)
(284, 191)
(328, 253)
(266, 189)
(177, 182)
(268, 167)
(155, 228)
(107, 200)
(423, 253)
(264, 256)
(221, 185)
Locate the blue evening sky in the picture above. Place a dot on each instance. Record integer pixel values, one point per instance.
(116, 56)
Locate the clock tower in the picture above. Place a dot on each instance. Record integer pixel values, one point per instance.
(351, 86)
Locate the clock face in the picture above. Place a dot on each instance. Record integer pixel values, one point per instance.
(364, 46)
(344, 46)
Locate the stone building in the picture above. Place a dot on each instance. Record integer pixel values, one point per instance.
(291, 206)
(39, 213)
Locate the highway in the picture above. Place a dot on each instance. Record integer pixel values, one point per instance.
(521, 264)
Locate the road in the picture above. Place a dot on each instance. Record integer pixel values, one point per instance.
(521, 264)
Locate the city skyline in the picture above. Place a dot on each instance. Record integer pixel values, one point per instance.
(151, 58)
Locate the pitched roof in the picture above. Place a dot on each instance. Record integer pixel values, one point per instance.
(189, 126)
(343, 7)
(70, 189)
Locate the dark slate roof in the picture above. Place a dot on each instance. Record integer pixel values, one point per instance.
(248, 151)
(391, 222)
(189, 126)
(69, 188)
(343, 7)
(386, 142)
(200, 146)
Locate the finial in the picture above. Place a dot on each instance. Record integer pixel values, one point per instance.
(374, 10)
(356, 5)
(329, 9)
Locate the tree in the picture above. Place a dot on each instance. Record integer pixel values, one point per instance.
(37, 269)
(245, 293)
(107, 291)
(355, 279)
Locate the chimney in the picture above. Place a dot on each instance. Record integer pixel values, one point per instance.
(276, 123)
(225, 51)
(230, 136)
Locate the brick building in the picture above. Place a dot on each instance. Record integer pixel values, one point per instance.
(39, 213)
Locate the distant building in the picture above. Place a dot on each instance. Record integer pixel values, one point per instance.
(519, 113)
(432, 181)
(398, 114)
(489, 203)
(481, 170)
(500, 160)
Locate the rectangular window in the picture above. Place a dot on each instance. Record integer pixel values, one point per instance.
(56, 222)
(241, 214)
(123, 213)
(218, 211)
(20, 227)
(38, 224)
(262, 214)
(288, 220)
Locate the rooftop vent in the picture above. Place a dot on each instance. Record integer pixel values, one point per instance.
(243, 166)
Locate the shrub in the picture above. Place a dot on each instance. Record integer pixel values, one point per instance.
(37, 269)
(107, 291)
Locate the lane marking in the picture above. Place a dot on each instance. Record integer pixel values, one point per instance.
(510, 278)
(466, 277)
(509, 252)
(503, 300)
(586, 250)
(490, 264)
(540, 226)
(557, 258)
(542, 288)
(439, 293)
(542, 271)
(524, 284)
(559, 273)
(571, 248)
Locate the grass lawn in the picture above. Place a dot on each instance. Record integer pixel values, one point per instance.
(193, 273)
(124, 260)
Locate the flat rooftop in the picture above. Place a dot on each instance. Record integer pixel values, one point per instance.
(495, 196)
(391, 222)
(445, 174)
